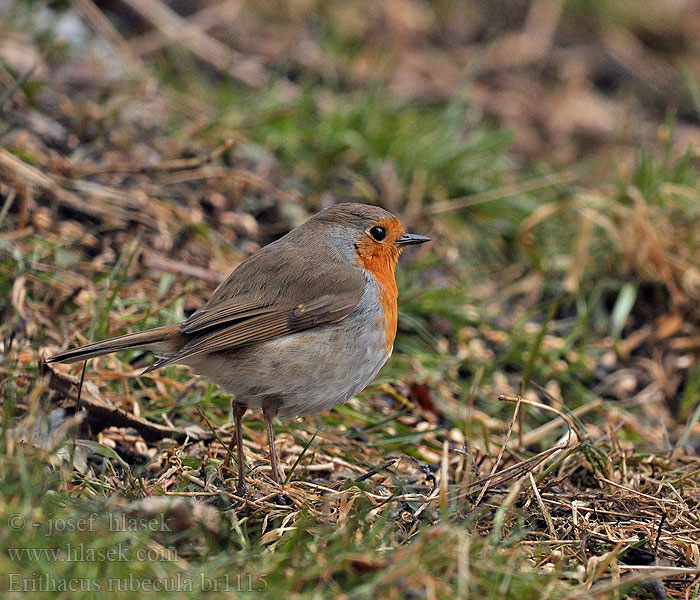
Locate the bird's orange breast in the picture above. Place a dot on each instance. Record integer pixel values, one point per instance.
(380, 260)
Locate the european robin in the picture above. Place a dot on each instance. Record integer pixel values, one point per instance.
(300, 326)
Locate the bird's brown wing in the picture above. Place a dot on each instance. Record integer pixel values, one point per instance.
(229, 329)
(288, 286)
(276, 280)
(222, 313)
(325, 309)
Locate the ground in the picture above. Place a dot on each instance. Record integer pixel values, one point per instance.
(536, 432)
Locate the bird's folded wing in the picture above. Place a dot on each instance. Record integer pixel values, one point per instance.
(229, 329)
(220, 314)
(271, 285)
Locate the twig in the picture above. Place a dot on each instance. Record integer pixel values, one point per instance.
(568, 420)
(534, 436)
(102, 25)
(103, 414)
(154, 260)
(543, 508)
(694, 418)
(500, 453)
(208, 17)
(7, 205)
(30, 175)
(647, 572)
(374, 471)
(78, 408)
(176, 164)
(301, 455)
(18, 83)
(515, 470)
(444, 475)
(21, 80)
(499, 193)
(658, 535)
(216, 435)
(176, 29)
(632, 491)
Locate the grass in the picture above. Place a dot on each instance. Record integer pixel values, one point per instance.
(579, 296)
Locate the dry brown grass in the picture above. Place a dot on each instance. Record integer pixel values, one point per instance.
(114, 219)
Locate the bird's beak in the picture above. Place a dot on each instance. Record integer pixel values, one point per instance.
(411, 238)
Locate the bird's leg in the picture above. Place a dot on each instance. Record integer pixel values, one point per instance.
(269, 415)
(237, 440)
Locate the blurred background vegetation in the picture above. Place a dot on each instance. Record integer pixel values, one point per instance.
(550, 148)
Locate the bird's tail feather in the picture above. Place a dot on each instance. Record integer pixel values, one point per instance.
(160, 339)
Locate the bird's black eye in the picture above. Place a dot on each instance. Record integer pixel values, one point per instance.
(378, 233)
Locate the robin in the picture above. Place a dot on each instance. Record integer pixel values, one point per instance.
(299, 327)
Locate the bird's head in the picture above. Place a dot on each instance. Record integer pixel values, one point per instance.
(372, 235)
